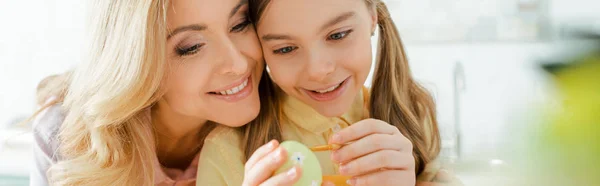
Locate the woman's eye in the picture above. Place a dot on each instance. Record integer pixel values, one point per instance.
(339, 35)
(285, 50)
(241, 27)
(185, 51)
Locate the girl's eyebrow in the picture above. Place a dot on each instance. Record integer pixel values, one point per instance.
(342, 17)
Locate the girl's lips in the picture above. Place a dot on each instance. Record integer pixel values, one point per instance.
(328, 95)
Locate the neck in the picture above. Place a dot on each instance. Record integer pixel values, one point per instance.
(178, 137)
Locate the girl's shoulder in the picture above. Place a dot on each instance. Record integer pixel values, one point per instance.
(224, 135)
(221, 160)
(223, 145)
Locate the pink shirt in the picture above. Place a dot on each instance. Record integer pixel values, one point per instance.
(176, 177)
(45, 133)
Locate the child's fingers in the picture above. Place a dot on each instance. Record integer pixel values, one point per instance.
(361, 129)
(380, 160)
(369, 144)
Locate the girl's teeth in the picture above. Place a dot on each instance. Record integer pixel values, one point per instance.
(235, 90)
(329, 89)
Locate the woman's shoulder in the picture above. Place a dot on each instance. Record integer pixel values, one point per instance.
(47, 123)
(46, 127)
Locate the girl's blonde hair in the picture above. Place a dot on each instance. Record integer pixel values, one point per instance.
(106, 138)
(396, 98)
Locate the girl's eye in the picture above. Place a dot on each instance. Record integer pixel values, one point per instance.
(339, 35)
(185, 51)
(241, 27)
(285, 50)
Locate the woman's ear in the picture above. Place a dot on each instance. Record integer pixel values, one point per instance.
(374, 18)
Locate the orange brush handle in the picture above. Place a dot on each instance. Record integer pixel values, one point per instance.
(337, 180)
(326, 147)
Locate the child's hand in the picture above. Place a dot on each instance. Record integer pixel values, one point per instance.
(264, 162)
(377, 155)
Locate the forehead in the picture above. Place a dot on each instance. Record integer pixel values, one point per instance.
(184, 12)
(291, 15)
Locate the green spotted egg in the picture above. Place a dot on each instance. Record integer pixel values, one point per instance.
(302, 156)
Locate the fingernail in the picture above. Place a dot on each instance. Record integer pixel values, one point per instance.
(277, 155)
(351, 181)
(336, 138)
(343, 169)
(292, 172)
(271, 144)
(334, 157)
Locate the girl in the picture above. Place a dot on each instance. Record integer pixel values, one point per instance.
(159, 76)
(319, 55)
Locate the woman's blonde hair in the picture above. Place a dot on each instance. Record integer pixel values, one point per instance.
(396, 98)
(106, 138)
(54, 86)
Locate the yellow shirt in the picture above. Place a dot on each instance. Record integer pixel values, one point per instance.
(222, 157)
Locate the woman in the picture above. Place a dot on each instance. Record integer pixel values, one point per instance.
(159, 75)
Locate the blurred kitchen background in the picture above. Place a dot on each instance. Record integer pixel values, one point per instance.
(481, 60)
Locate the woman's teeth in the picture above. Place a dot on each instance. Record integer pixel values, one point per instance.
(234, 90)
(329, 89)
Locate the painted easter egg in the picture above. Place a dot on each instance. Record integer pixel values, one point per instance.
(302, 156)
